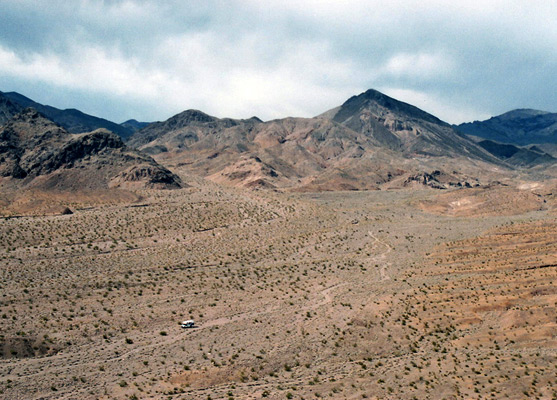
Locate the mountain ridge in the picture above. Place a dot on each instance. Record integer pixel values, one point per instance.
(361, 144)
(520, 127)
(73, 120)
(38, 153)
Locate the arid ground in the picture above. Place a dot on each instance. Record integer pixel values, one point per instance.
(343, 295)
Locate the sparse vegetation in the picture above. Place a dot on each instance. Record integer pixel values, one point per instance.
(291, 299)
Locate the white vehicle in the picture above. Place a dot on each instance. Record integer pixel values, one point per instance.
(188, 324)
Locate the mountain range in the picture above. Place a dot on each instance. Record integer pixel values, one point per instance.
(371, 141)
(72, 120)
(521, 127)
(37, 153)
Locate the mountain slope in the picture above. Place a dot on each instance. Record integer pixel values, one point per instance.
(133, 125)
(521, 127)
(369, 142)
(186, 127)
(517, 156)
(37, 153)
(8, 109)
(403, 127)
(74, 121)
(286, 153)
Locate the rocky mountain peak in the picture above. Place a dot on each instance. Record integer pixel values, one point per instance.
(381, 104)
(190, 116)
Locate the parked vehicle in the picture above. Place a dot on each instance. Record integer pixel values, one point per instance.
(188, 324)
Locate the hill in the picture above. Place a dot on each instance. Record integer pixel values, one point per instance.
(8, 109)
(521, 127)
(134, 125)
(72, 120)
(403, 127)
(37, 153)
(518, 156)
(370, 141)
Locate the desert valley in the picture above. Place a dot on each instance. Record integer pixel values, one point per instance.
(373, 251)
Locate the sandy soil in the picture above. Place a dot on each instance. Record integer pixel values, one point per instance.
(341, 295)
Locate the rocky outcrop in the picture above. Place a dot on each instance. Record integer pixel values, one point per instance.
(150, 176)
(426, 179)
(438, 180)
(33, 147)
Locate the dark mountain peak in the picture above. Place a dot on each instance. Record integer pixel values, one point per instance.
(402, 127)
(522, 127)
(19, 98)
(134, 125)
(375, 100)
(522, 113)
(254, 119)
(189, 116)
(131, 121)
(517, 156)
(372, 94)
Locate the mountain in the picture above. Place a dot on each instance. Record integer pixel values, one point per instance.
(281, 153)
(37, 153)
(185, 127)
(133, 125)
(403, 127)
(517, 156)
(521, 127)
(8, 109)
(72, 120)
(370, 141)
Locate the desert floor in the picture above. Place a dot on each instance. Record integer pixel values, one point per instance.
(338, 295)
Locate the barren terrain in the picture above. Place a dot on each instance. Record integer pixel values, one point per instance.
(378, 294)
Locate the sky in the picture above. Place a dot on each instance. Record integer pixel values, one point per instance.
(461, 60)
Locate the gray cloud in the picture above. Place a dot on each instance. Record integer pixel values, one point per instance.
(148, 60)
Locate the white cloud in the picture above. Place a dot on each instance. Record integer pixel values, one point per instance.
(34, 67)
(420, 66)
(89, 68)
(196, 72)
(455, 59)
(445, 110)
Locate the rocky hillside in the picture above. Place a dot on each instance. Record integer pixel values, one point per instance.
(403, 127)
(72, 120)
(37, 153)
(521, 127)
(133, 125)
(516, 155)
(286, 153)
(369, 141)
(186, 128)
(8, 109)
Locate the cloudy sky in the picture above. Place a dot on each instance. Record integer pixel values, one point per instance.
(460, 60)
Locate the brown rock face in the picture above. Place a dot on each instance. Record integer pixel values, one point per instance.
(365, 143)
(36, 152)
(403, 127)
